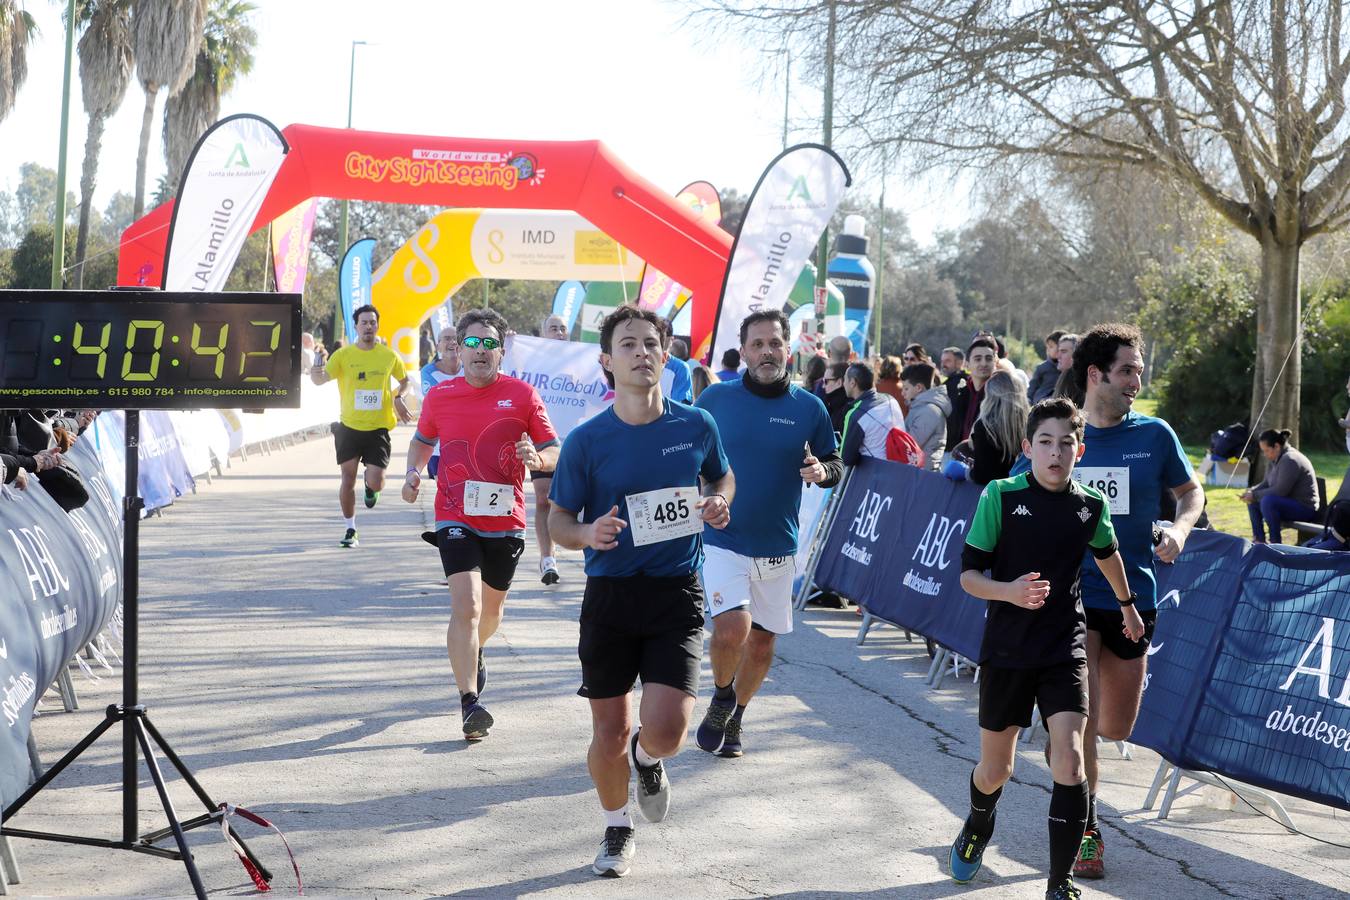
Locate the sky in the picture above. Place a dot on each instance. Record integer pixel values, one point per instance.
(677, 102)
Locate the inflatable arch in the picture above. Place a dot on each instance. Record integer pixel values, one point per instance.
(584, 177)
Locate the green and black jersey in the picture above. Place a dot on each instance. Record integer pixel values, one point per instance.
(1021, 527)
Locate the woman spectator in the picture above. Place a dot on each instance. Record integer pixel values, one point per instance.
(1288, 493)
(815, 371)
(701, 376)
(888, 381)
(996, 438)
(929, 406)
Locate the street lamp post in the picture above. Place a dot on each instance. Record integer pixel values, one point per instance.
(823, 251)
(59, 226)
(342, 224)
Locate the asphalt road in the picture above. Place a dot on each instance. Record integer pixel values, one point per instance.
(310, 684)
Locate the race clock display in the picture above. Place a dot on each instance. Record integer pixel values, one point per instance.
(149, 350)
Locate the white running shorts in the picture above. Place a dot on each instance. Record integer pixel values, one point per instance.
(732, 581)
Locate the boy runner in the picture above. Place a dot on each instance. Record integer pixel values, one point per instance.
(632, 473)
(1031, 532)
(490, 427)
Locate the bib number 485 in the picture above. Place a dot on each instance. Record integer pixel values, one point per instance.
(671, 511)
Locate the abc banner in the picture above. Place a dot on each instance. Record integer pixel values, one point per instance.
(895, 547)
(224, 184)
(788, 210)
(566, 374)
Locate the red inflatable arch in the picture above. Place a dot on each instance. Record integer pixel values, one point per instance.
(582, 176)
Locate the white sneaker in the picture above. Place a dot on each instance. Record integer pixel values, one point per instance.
(548, 570)
(653, 787)
(616, 852)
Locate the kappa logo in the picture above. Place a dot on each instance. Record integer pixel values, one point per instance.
(503, 404)
(1021, 510)
(1084, 514)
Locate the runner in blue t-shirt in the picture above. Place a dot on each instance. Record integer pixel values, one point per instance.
(675, 381)
(627, 490)
(1131, 459)
(778, 437)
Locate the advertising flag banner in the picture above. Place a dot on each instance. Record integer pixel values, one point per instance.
(788, 210)
(567, 302)
(602, 298)
(354, 282)
(566, 374)
(442, 317)
(659, 291)
(224, 184)
(290, 246)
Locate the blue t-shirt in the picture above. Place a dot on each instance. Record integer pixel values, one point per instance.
(1149, 449)
(605, 459)
(675, 381)
(765, 439)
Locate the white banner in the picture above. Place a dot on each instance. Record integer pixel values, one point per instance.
(566, 374)
(226, 179)
(788, 210)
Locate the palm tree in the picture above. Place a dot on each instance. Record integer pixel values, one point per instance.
(105, 71)
(17, 31)
(226, 54)
(167, 36)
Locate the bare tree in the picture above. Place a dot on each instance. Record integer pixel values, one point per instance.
(168, 34)
(1243, 101)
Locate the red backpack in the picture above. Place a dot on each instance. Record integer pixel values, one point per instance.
(902, 448)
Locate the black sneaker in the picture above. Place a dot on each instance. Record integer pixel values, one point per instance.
(349, 539)
(371, 497)
(712, 730)
(731, 744)
(616, 852)
(482, 672)
(1063, 890)
(968, 853)
(477, 721)
(653, 787)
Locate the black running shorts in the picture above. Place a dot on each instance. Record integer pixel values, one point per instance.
(372, 447)
(1110, 624)
(494, 558)
(640, 627)
(1008, 695)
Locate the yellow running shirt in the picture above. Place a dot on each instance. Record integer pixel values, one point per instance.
(363, 378)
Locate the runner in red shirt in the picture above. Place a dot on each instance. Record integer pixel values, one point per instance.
(491, 427)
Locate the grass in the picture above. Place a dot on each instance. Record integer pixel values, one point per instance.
(1229, 514)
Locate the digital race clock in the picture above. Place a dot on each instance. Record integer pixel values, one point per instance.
(149, 350)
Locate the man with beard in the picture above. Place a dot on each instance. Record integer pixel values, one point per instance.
(777, 437)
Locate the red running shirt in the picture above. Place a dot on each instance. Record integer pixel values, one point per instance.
(478, 429)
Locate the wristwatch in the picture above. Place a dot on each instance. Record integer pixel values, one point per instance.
(1129, 602)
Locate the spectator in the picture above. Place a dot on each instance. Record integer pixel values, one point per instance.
(1288, 493)
(871, 419)
(969, 392)
(814, 374)
(996, 438)
(888, 381)
(731, 363)
(306, 352)
(836, 399)
(1044, 376)
(700, 376)
(951, 361)
(929, 406)
(426, 346)
(679, 349)
(1345, 422)
(1067, 384)
(840, 349)
(914, 354)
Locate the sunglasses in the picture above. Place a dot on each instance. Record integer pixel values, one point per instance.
(473, 343)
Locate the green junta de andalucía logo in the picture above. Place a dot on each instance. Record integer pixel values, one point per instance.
(238, 158)
(799, 190)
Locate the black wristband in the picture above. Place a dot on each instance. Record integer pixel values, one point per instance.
(1129, 602)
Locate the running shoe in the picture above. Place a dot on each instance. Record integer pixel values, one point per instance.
(477, 721)
(482, 671)
(968, 853)
(349, 539)
(371, 497)
(616, 852)
(548, 570)
(712, 730)
(653, 787)
(1091, 857)
(731, 744)
(1064, 890)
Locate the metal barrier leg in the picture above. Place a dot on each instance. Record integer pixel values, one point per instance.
(1158, 778)
(935, 670)
(67, 688)
(9, 863)
(1170, 794)
(865, 625)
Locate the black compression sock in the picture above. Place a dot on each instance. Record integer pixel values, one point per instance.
(982, 806)
(1092, 813)
(740, 711)
(727, 692)
(1068, 815)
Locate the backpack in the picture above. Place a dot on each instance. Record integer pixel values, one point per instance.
(901, 447)
(1227, 443)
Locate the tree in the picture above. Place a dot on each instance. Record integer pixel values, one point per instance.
(1242, 102)
(31, 263)
(226, 53)
(35, 197)
(17, 31)
(105, 72)
(167, 36)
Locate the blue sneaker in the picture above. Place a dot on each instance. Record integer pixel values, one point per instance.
(731, 744)
(968, 853)
(712, 730)
(477, 721)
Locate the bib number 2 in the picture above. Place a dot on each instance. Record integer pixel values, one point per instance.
(484, 498)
